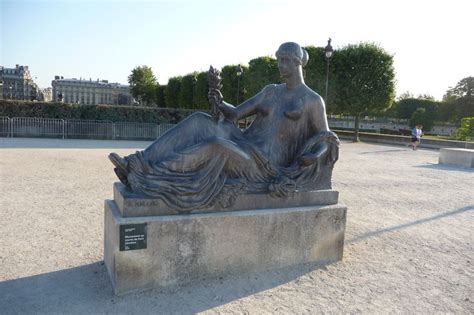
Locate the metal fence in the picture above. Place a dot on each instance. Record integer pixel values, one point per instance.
(36, 127)
(4, 126)
(89, 129)
(79, 129)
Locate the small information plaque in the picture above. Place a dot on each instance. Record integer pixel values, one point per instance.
(132, 236)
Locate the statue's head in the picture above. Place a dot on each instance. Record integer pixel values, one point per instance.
(293, 50)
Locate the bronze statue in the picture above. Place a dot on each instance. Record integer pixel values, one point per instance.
(203, 161)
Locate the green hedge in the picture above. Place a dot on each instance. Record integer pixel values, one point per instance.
(91, 112)
(466, 131)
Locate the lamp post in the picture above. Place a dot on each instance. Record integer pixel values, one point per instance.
(239, 73)
(328, 53)
(194, 92)
(11, 87)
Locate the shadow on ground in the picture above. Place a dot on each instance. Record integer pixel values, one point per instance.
(382, 151)
(53, 143)
(446, 167)
(87, 289)
(409, 224)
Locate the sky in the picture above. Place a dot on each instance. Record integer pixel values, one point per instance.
(431, 41)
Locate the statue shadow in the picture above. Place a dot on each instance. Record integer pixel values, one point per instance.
(382, 151)
(409, 224)
(446, 167)
(87, 289)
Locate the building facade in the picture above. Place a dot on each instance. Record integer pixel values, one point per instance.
(81, 91)
(46, 95)
(17, 84)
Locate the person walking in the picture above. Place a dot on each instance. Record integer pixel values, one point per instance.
(416, 134)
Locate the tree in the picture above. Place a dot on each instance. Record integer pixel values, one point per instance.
(422, 117)
(261, 72)
(466, 131)
(143, 84)
(406, 107)
(172, 92)
(426, 97)
(365, 80)
(201, 89)
(459, 100)
(315, 76)
(160, 95)
(230, 82)
(186, 92)
(463, 88)
(405, 95)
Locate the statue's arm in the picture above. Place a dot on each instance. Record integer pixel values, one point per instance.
(319, 122)
(250, 106)
(318, 117)
(247, 108)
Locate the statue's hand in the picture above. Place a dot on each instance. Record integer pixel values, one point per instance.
(315, 157)
(215, 97)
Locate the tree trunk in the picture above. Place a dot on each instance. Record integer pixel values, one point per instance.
(356, 128)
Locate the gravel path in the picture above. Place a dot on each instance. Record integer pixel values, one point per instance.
(409, 239)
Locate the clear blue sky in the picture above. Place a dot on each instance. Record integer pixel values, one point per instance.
(431, 40)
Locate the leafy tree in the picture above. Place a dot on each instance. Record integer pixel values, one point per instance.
(466, 131)
(426, 97)
(315, 76)
(464, 107)
(406, 107)
(186, 92)
(459, 100)
(463, 88)
(446, 111)
(230, 80)
(200, 91)
(405, 95)
(365, 80)
(261, 72)
(142, 84)
(160, 95)
(172, 92)
(422, 117)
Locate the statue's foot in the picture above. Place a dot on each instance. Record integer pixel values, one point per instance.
(121, 167)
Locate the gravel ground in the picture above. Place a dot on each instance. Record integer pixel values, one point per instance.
(409, 239)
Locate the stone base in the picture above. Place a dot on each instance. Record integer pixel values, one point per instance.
(457, 157)
(131, 204)
(182, 248)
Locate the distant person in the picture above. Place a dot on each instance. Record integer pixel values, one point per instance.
(416, 134)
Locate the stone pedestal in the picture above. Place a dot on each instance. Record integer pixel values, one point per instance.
(457, 157)
(161, 250)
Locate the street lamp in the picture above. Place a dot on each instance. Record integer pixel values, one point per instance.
(239, 73)
(328, 53)
(11, 87)
(193, 105)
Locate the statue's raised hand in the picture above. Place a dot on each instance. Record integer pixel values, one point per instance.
(215, 97)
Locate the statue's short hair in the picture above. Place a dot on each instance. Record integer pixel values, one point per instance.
(295, 51)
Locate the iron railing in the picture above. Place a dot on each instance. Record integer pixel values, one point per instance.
(79, 129)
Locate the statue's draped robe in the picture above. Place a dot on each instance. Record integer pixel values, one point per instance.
(201, 162)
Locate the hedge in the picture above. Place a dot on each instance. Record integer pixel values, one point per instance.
(466, 131)
(92, 112)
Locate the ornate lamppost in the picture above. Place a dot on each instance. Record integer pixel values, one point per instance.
(194, 79)
(328, 53)
(239, 73)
